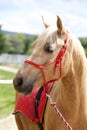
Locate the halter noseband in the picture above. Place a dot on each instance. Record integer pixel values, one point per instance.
(57, 62)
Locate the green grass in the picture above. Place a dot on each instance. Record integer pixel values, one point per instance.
(7, 99)
(6, 75)
(7, 94)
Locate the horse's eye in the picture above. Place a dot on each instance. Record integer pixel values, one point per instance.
(49, 49)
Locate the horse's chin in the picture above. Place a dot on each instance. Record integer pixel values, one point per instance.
(28, 91)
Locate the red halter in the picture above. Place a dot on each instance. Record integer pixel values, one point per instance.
(57, 63)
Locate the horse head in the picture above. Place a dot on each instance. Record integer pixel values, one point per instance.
(46, 60)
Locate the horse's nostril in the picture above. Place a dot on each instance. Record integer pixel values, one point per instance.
(19, 81)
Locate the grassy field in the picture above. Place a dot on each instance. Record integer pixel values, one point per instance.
(6, 75)
(7, 95)
(7, 99)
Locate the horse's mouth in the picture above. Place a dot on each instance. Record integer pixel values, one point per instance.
(26, 88)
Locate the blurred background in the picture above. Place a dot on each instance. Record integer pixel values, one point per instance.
(20, 25)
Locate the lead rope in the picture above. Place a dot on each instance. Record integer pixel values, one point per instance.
(53, 104)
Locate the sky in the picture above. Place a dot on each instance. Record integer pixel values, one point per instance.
(24, 16)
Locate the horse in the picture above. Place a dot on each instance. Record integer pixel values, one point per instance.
(57, 58)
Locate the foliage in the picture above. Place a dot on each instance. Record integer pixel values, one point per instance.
(2, 41)
(84, 43)
(16, 43)
(29, 43)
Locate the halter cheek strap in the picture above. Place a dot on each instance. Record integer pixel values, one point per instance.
(57, 63)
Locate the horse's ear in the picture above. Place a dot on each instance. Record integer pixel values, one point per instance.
(59, 25)
(46, 24)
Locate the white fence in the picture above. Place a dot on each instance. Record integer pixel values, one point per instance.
(12, 59)
(6, 81)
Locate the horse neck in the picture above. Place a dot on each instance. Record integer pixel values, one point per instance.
(73, 85)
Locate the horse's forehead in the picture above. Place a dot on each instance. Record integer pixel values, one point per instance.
(49, 31)
(46, 37)
(48, 34)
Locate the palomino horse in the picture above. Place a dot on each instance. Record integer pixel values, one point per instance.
(57, 57)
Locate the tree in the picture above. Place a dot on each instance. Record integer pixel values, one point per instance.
(14, 44)
(84, 44)
(2, 40)
(28, 44)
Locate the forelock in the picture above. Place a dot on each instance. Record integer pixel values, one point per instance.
(49, 34)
